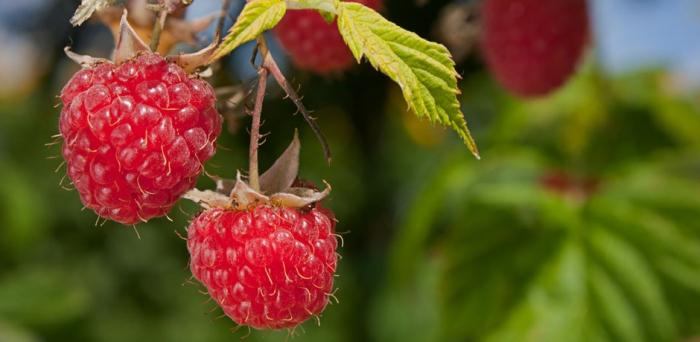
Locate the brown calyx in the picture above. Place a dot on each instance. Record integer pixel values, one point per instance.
(144, 16)
(278, 187)
(129, 45)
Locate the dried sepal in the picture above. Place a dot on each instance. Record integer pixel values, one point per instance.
(208, 199)
(129, 44)
(83, 60)
(299, 197)
(276, 184)
(190, 62)
(245, 196)
(142, 20)
(281, 175)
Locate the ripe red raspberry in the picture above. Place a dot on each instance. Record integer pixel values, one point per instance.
(268, 267)
(135, 135)
(533, 46)
(569, 185)
(313, 43)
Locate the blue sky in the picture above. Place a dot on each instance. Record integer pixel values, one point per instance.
(635, 34)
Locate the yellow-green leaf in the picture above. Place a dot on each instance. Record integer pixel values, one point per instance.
(424, 70)
(327, 6)
(257, 17)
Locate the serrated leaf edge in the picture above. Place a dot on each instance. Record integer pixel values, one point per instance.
(437, 55)
(257, 17)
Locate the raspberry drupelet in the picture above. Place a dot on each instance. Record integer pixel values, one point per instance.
(532, 47)
(313, 43)
(136, 133)
(266, 255)
(268, 267)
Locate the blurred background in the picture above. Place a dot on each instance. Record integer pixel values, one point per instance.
(581, 221)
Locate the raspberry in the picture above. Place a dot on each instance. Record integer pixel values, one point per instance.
(135, 135)
(569, 185)
(533, 46)
(313, 43)
(268, 267)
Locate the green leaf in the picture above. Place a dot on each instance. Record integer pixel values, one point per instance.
(329, 17)
(614, 307)
(420, 220)
(554, 307)
(680, 272)
(424, 70)
(395, 313)
(482, 289)
(325, 6)
(632, 271)
(11, 332)
(257, 17)
(661, 237)
(66, 298)
(678, 116)
(87, 8)
(520, 263)
(22, 212)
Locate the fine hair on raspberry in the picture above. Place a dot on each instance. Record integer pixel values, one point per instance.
(136, 135)
(269, 267)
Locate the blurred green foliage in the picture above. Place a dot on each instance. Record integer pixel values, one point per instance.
(612, 259)
(580, 223)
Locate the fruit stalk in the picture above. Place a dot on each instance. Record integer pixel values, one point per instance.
(253, 173)
(158, 28)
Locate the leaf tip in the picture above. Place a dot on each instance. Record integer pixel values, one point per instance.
(476, 153)
(471, 145)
